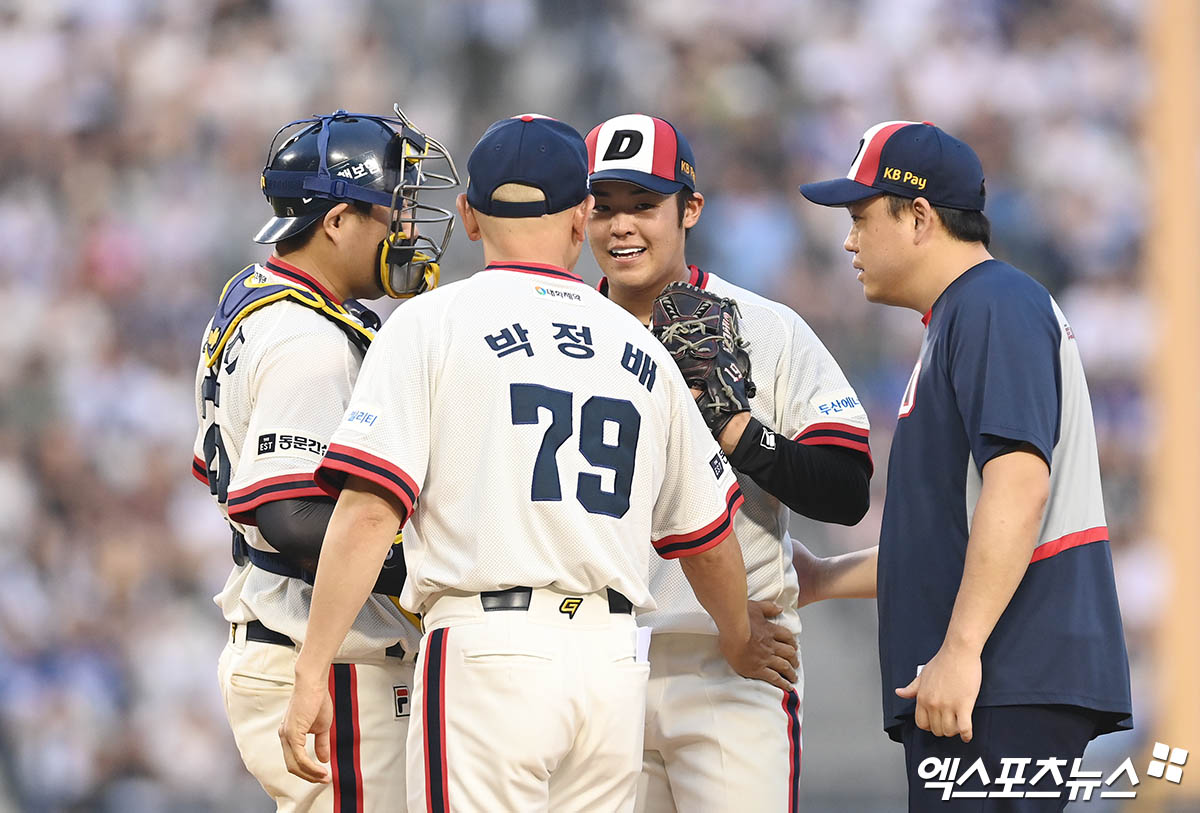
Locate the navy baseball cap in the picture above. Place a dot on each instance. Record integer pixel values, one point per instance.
(532, 150)
(908, 158)
(642, 150)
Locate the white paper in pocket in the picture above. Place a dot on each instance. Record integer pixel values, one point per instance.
(643, 645)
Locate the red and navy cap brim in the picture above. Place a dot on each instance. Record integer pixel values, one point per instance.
(281, 228)
(645, 180)
(838, 192)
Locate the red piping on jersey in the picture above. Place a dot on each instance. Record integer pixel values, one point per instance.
(696, 277)
(304, 277)
(833, 434)
(199, 470)
(1074, 540)
(791, 710)
(834, 426)
(345, 738)
(358, 776)
(928, 315)
(349, 460)
(335, 768)
(541, 269)
(707, 537)
(243, 502)
(433, 722)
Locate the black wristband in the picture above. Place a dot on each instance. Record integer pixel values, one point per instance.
(755, 450)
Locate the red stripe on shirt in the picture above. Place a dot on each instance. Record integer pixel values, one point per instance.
(241, 493)
(348, 467)
(1073, 540)
(812, 436)
(243, 502)
(835, 427)
(306, 277)
(791, 711)
(199, 470)
(358, 777)
(733, 501)
(857, 446)
(334, 767)
(540, 269)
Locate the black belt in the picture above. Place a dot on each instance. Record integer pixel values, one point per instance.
(517, 598)
(256, 631)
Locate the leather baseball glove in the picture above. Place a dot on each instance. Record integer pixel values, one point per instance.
(701, 331)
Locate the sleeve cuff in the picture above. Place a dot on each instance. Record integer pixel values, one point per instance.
(711, 535)
(836, 434)
(199, 470)
(244, 502)
(340, 461)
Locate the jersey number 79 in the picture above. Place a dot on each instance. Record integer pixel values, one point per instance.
(620, 457)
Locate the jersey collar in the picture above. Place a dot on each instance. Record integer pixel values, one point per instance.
(696, 276)
(540, 269)
(292, 273)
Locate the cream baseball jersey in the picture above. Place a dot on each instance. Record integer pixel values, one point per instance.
(537, 434)
(803, 395)
(282, 376)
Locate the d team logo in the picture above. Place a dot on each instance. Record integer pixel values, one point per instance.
(624, 144)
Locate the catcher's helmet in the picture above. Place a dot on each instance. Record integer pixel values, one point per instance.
(348, 157)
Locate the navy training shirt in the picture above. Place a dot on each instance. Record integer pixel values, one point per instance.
(999, 366)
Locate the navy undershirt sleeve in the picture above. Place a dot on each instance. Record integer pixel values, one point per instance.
(825, 483)
(296, 528)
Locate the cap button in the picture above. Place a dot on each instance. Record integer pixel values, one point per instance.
(930, 123)
(526, 118)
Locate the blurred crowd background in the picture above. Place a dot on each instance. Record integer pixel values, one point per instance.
(132, 133)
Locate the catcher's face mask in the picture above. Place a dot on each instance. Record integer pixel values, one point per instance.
(406, 260)
(418, 233)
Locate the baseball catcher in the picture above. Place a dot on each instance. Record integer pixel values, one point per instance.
(701, 331)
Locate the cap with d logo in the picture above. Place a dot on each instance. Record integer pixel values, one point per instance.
(908, 158)
(641, 150)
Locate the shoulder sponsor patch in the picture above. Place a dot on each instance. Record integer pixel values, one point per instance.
(837, 404)
(552, 294)
(719, 463)
(361, 418)
(290, 444)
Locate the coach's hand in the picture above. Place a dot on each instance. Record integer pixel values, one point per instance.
(770, 652)
(309, 711)
(946, 691)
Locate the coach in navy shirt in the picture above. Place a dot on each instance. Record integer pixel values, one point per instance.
(999, 629)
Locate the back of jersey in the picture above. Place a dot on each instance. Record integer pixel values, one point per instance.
(548, 434)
